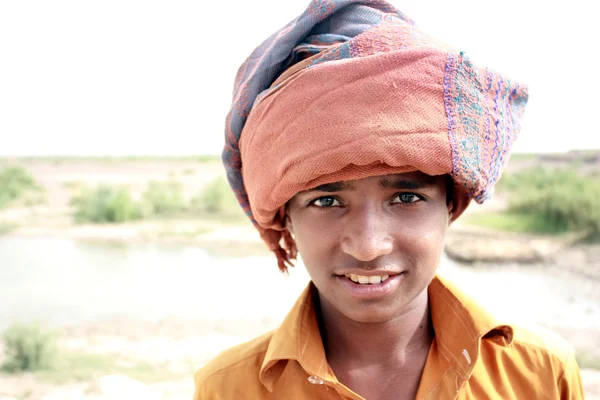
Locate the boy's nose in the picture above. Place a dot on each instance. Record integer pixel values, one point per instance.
(367, 235)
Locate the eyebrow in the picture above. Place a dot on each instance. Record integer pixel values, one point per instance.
(333, 187)
(393, 183)
(407, 183)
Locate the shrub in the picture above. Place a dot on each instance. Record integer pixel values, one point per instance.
(509, 222)
(105, 204)
(15, 182)
(189, 171)
(562, 200)
(114, 204)
(163, 198)
(539, 178)
(28, 347)
(217, 197)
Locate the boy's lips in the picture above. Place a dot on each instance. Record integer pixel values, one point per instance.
(388, 270)
(370, 284)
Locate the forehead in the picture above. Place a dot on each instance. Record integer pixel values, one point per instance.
(407, 180)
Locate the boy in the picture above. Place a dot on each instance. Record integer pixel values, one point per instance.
(356, 139)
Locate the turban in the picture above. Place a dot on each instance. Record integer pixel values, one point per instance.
(351, 89)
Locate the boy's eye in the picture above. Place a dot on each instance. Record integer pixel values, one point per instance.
(406, 198)
(326, 201)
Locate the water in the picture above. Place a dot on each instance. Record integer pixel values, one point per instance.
(62, 282)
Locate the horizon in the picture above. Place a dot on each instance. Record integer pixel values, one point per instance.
(213, 157)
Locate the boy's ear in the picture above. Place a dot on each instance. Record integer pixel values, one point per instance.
(450, 206)
(459, 203)
(284, 212)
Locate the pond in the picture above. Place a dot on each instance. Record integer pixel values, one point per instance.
(64, 282)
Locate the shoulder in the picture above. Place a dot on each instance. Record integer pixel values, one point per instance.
(533, 349)
(546, 359)
(537, 363)
(537, 340)
(244, 361)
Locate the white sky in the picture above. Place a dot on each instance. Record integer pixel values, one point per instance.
(144, 77)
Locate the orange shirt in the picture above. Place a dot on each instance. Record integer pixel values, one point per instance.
(473, 356)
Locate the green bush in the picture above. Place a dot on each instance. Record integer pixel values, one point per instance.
(114, 204)
(105, 204)
(561, 200)
(15, 183)
(218, 198)
(509, 222)
(28, 347)
(539, 178)
(164, 198)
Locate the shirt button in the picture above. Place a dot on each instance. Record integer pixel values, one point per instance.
(466, 355)
(315, 380)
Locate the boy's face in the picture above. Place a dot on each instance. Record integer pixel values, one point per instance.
(368, 229)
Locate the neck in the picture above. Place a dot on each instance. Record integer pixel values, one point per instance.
(385, 344)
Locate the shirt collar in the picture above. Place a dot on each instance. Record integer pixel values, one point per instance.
(298, 338)
(459, 324)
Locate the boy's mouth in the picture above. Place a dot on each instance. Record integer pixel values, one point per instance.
(376, 284)
(367, 280)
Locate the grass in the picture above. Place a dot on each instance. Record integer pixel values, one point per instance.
(174, 231)
(217, 198)
(573, 158)
(588, 362)
(80, 367)
(547, 200)
(208, 158)
(73, 185)
(71, 366)
(188, 171)
(517, 157)
(232, 217)
(34, 349)
(7, 227)
(512, 222)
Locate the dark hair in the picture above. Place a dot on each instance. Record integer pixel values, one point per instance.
(449, 188)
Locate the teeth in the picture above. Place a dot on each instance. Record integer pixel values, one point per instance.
(364, 280)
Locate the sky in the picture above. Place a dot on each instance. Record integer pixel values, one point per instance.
(145, 77)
